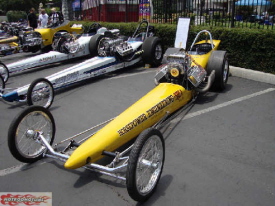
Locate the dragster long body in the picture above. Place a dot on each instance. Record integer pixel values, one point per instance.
(164, 98)
(90, 68)
(50, 57)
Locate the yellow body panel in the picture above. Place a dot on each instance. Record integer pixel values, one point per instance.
(9, 40)
(48, 33)
(202, 60)
(13, 44)
(147, 111)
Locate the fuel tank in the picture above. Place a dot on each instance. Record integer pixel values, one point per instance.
(144, 113)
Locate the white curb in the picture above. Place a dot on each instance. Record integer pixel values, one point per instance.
(252, 74)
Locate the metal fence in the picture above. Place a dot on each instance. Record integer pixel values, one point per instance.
(226, 13)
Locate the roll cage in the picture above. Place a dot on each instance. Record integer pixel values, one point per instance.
(202, 48)
(143, 31)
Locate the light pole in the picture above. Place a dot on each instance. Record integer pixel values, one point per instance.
(233, 14)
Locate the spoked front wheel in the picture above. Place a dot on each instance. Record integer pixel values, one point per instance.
(4, 72)
(145, 164)
(40, 93)
(23, 135)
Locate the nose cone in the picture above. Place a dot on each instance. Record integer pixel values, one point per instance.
(11, 96)
(75, 162)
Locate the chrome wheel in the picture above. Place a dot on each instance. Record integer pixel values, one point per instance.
(149, 165)
(102, 47)
(25, 130)
(158, 52)
(145, 164)
(4, 72)
(225, 71)
(40, 93)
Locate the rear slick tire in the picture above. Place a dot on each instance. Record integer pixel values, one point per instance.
(152, 51)
(93, 44)
(219, 63)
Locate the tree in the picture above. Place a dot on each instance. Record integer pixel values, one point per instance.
(22, 5)
(25, 5)
(67, 9)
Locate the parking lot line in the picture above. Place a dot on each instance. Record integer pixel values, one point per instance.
(210, 109)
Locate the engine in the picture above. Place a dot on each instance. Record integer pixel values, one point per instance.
(175, 70)
(65, 43)
(124, 49)
(172, 72)
(196, 74)
(31, 41)
(6, 49)
(178, 70)
(112, 44)
(107, 46)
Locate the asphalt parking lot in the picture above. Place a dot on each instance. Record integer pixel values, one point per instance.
(220, 152)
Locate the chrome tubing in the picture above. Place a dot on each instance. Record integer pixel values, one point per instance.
(50, 149)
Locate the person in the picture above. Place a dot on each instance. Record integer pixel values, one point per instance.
(55, 17)
(32, 19)
(43, 19)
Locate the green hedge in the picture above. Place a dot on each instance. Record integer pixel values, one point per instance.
(247, 48)
(14, 16)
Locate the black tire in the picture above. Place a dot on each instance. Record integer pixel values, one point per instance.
(218, 62)
(152, 51)
(23, 138)
(40, 93)
(142, 147)
(36, 48)
(93, 44)
(4, 72)
(46, 49)
(2, 85)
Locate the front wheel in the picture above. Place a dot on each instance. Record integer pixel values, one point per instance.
(23, 134)
(152, 51)
(145, 164)
(219, 63)
(4, 72)
(40, 93)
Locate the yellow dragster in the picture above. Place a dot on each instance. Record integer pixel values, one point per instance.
(179, 81)
(42, 38)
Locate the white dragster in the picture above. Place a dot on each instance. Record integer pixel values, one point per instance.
(113, 53)
(65, 46)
